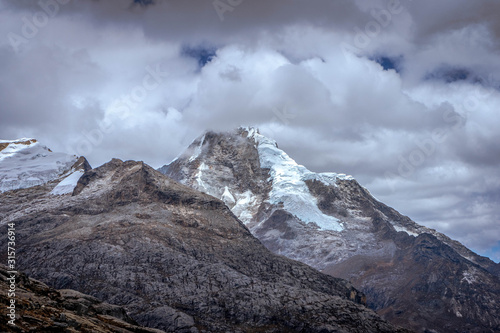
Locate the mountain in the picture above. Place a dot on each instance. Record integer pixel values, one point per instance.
(40, 308)
(176, 259)
(25, 163)
(412, 275)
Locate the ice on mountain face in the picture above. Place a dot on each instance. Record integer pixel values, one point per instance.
(25, 163)
(68, 184)
(288, 184)
(399, 228)
(199, 176)
(197, 151)
(251, 131)
(327, 178)
(245, 204)
(227, 197)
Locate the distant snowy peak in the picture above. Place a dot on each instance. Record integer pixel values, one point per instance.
(24, 141)
(10, 147)
(25, 163)
(257, 180)
(246, 169)
(269, 154)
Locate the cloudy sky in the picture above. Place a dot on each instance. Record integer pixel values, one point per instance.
(403, 95)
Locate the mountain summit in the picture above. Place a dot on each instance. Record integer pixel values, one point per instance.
(412, 275)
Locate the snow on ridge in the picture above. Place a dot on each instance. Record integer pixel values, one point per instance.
(25, 163)
(400, 228)
(18, 140)
(68, 184)
(16, 146)
(250, 130)
(327, 178)
(197, 151)
(288, 184)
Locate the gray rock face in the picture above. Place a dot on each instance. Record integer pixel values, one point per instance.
(412, 275)
(175, 258)
(40, 308)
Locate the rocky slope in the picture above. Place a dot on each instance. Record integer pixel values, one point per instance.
(25, 163)
(43, 309)
(174, 258)
(412, 275)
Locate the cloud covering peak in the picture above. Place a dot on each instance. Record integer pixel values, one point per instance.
(403, 95)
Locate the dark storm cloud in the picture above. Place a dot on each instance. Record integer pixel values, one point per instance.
(436, 18)
(401, 94)
(187, 16)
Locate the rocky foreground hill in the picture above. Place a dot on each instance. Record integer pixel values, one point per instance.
(40, 308)
(412, 275)
(176, 259)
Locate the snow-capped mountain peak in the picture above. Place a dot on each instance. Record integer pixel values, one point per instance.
(271, 156)
(329, 221)
(287, 179)
(10, 147)
(26, 162)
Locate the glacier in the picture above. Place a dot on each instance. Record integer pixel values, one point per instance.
(288, 183)
(25, 163)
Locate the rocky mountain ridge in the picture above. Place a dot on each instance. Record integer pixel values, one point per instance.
(176, 259)
(412, 275)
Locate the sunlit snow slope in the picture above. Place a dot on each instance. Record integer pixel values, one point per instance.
(288, 183)
(25, 163)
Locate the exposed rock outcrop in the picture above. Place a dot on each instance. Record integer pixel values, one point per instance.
(38, 308)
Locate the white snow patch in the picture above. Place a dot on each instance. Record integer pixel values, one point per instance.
(227, 197)
(469, 275)
(245, 204)
(399, 228)
(289, 187)
(327, 178)
(273, 234)
(197, 151)
(250, 130)
(68, 184)
(199, 175)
